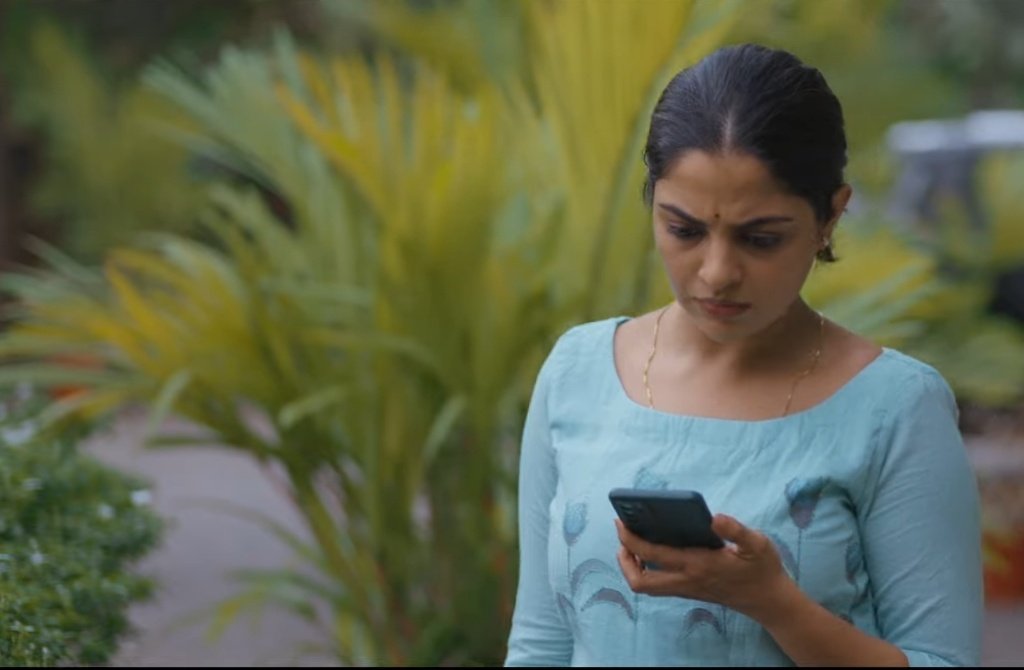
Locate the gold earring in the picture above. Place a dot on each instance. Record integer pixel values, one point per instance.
(817, 255)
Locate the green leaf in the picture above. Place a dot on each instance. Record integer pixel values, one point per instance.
(228, 610)
(440, 430)
(165, 441)
(63, 263)
(293, 412)
(385, 343)
(302, 548)
(292, 582)
(50, 374)
(165, 400)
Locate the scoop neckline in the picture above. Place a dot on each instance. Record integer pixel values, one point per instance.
(818, 407)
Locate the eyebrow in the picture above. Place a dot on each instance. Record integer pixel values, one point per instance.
(752, 223)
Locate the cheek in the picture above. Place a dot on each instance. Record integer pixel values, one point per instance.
(679, 262)
(783, 276)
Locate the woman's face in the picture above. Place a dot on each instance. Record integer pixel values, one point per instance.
(736, 245)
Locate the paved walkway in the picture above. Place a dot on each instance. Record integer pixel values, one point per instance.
(202, 546)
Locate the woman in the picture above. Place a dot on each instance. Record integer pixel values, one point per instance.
(839, 478)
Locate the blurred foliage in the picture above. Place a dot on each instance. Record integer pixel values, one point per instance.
(106, 170)
(384, 315)
(894, 289)
(123, 36)
(999, 180)
(70, 528)
(977, 44)
(469, 41)
(109, 173)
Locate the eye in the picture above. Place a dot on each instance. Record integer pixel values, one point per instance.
(685, 232)
(763, 241)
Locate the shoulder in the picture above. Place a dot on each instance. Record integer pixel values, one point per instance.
(910, 377)
(599, 339)
(584, 337)
(918, 443)
(906, 393)
(638, 327)
(580, 348)
(916, 384)
(894, 378)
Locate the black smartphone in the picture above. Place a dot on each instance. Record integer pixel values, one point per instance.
(677, 518)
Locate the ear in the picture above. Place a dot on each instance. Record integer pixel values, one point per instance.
(840, 199)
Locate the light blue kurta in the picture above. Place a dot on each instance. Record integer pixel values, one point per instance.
(868, 496)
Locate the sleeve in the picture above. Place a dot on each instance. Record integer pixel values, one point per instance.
(539, 635)
(921, 530)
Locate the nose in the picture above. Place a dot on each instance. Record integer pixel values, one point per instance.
(720, 269)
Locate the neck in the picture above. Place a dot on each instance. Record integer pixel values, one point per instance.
(784, 344)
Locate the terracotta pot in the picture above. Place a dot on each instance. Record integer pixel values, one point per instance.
(1000, 470)
(77, 361)
(1004, 565)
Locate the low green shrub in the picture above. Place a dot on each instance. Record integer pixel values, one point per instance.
(70, 527)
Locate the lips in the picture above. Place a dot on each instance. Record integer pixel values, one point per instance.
(723, 309)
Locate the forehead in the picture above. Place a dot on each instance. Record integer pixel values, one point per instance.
(732, 185)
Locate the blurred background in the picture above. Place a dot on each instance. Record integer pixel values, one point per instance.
(312, 253)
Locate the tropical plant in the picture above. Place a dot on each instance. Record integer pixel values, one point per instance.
(384, 318)
(108, 173)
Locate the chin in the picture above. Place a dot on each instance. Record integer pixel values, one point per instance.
(720, 330)
(723, 335)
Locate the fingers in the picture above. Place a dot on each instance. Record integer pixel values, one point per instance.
(634, 543)
(634, 554)
(747, 541)
(647, 551)
(640, 580)
(730, 530)
(631, 568)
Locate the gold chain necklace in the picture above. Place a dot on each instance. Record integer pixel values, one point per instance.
(792, 390)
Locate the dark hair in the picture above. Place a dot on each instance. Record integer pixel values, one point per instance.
(759, 101)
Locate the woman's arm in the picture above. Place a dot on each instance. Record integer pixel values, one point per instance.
(921, 532)
(539, 636)
(920, 529)
(811, 635)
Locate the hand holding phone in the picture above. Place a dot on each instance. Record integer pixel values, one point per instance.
(678, 518)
